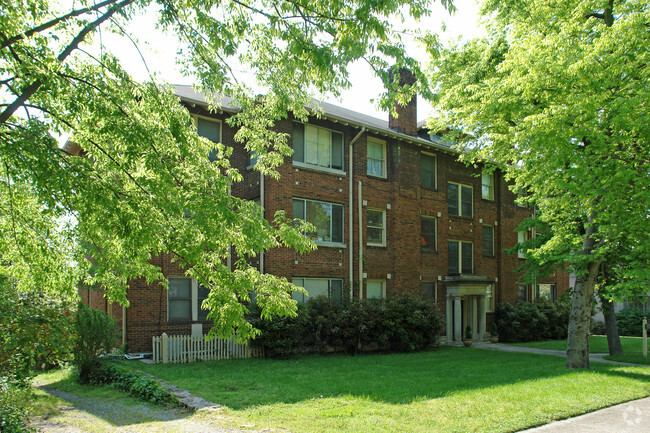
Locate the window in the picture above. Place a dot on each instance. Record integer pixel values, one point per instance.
(184, 299)
(376, 157)
(376, 227)
(460, 257)
(317, 146)
(521, 238)
(487, 186)
(490, 299)
(546, 291)
(488, 240)
(210, 129)
(428, 170)
(429, 290)
(375, 289)
(428, 239)
(522, 293)
(459, 199)
(332, 288)
(326, 217)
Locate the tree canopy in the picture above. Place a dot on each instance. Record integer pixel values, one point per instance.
(146, 185)
(557, 96)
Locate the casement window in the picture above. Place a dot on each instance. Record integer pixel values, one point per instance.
(522, 236)
(546, 291)
(317, 147)
(429, 290)
(210, 129)
(327, 218)
(428, 168)
(487, 185)
(488, 240)
(460, 257)
(429, 233)
(184, 299)
(459, 199)
(331, 288)
(375, 289)
(376, 230)
(376, 157)
(522, 293)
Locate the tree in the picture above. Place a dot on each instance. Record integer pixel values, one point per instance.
(147, 185)
(556, 95)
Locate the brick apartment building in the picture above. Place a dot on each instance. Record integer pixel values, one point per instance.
(395, 212)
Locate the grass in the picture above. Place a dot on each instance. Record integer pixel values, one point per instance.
(597, 344)
(447, 390)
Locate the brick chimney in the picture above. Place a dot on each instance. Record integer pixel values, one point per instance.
(406, 120)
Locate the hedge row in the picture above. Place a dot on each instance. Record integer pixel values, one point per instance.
(107, 372)
(399, 324)
(630, 322)
(533, 321)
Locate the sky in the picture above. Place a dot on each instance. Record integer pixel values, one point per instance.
(159, 52)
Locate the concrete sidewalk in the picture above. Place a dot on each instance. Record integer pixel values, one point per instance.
(593, 357)
(630, 417)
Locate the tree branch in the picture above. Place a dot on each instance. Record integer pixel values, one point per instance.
(32, 88)
(13, 39)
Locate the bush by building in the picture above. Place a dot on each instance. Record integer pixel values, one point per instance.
(400, 324)
(630, 320)
(533, 321)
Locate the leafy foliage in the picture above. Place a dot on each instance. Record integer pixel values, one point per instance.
(95, 336)
(555, 96)
(533, 321)
(630, 321)
(399, 324)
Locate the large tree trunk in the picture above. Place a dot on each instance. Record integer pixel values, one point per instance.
(613, 339)
(577, 354)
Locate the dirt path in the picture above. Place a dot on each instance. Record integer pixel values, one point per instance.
(79, 414)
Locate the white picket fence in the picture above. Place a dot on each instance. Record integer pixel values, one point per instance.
(191, 348)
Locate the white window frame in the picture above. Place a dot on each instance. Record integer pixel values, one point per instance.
(487, 189)
(340, 244)
(302, 298)
(435, 289)
(460, 256)
(435, 170)
(435, 232)
(383, 160)
(522, 236)
(383, 227)
(460, 199)
(383, 288)
(194, 300)
(329, 168)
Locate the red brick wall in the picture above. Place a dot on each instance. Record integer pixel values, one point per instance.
(399, 194)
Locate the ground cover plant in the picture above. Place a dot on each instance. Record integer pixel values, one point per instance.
(450, 389)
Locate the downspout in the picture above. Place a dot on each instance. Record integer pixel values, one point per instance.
(124, 326)
(351, 210)
(360, 205)
(229, 256)
(262, 206)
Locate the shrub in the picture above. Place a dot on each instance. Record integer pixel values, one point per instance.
(629, 322)
(95, 335)
(14, 407)
(533, 321)
(402, 323)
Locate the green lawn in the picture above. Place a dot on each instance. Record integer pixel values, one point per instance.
(597, 344)
(447, 390)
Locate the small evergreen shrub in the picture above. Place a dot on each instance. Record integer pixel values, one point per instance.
(95, 336)
(400, 324)
(533, 321)
(630, 320)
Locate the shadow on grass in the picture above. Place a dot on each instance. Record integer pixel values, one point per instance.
(391, 378)
(109, 404)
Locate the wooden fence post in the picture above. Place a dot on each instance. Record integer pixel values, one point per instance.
(164, 348)
(645, 337)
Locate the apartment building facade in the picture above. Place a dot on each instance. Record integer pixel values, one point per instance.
(394, 211)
